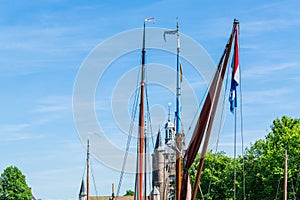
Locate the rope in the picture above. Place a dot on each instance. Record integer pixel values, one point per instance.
(149, 123)
(294, 193)
(199, 186)
(133, 114)
(218, 138)
(277, 191)
(242, 135)
(94, 182)
(148, 114)
(196, 113)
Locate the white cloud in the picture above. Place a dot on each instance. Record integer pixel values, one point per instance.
(267, 70)
(4, 128)
(53, 104)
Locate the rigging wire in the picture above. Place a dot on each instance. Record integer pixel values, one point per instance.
(198, 110)
(220, 127)
(199, 186)
(277, 191)
(242, 133)
(133, 115)
(294, 193)
(148, 124)
(148, 112)
(94, 182)
(83, 172)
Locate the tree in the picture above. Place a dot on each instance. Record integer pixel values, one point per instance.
(265, 161)
(13, 185)
(129, 193)
(217, 176)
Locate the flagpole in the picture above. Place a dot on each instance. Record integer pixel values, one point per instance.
(234, 179)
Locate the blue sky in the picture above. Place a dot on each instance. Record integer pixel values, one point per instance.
(44, 43)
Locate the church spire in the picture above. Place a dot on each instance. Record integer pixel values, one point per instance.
(169, 112)
(82, 192)
(169, 127)
(158, 142)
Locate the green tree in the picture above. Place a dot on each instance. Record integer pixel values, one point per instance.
(217, 176)
(129, 193)
(264, 161)
(264, 164)
(13, 185)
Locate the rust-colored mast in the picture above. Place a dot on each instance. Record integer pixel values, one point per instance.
(88, 171)
(215, 98)
(141, 122)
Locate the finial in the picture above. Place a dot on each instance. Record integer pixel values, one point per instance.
(236, 21)
(169, 111)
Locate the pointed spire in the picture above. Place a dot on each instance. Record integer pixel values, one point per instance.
(82, 192)
(158, 142)
(169, 111)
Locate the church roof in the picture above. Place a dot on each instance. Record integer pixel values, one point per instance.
(82, 191)
(158, 142)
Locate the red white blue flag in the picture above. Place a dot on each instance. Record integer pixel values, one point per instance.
(235, 79)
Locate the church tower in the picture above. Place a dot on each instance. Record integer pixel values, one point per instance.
(163, 162)
(158, 168)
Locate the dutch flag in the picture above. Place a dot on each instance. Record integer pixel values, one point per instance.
(235, 74)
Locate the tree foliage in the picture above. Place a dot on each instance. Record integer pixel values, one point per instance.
(129, 193)
(264, 166)
(216, 178)
(13, 185)
(265, 161)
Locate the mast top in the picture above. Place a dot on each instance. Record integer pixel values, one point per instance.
(236, 21)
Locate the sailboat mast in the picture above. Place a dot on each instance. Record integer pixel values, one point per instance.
(214, 90)
(178, 121)
(88, 171)
(141, 122)
(285, 175)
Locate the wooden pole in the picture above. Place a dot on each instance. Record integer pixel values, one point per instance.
(142, 123)
(88, 171)
(112, 191)
(285, 175)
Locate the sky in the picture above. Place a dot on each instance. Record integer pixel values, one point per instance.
(46, 44)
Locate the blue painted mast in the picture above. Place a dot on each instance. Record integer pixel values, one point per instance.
(178, 121)
(178, 115)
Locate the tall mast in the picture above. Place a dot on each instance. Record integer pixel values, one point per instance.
(141, 130)
(214, 91)
(178, 121)
(88, 171)
(178, 115)
(142, 121)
